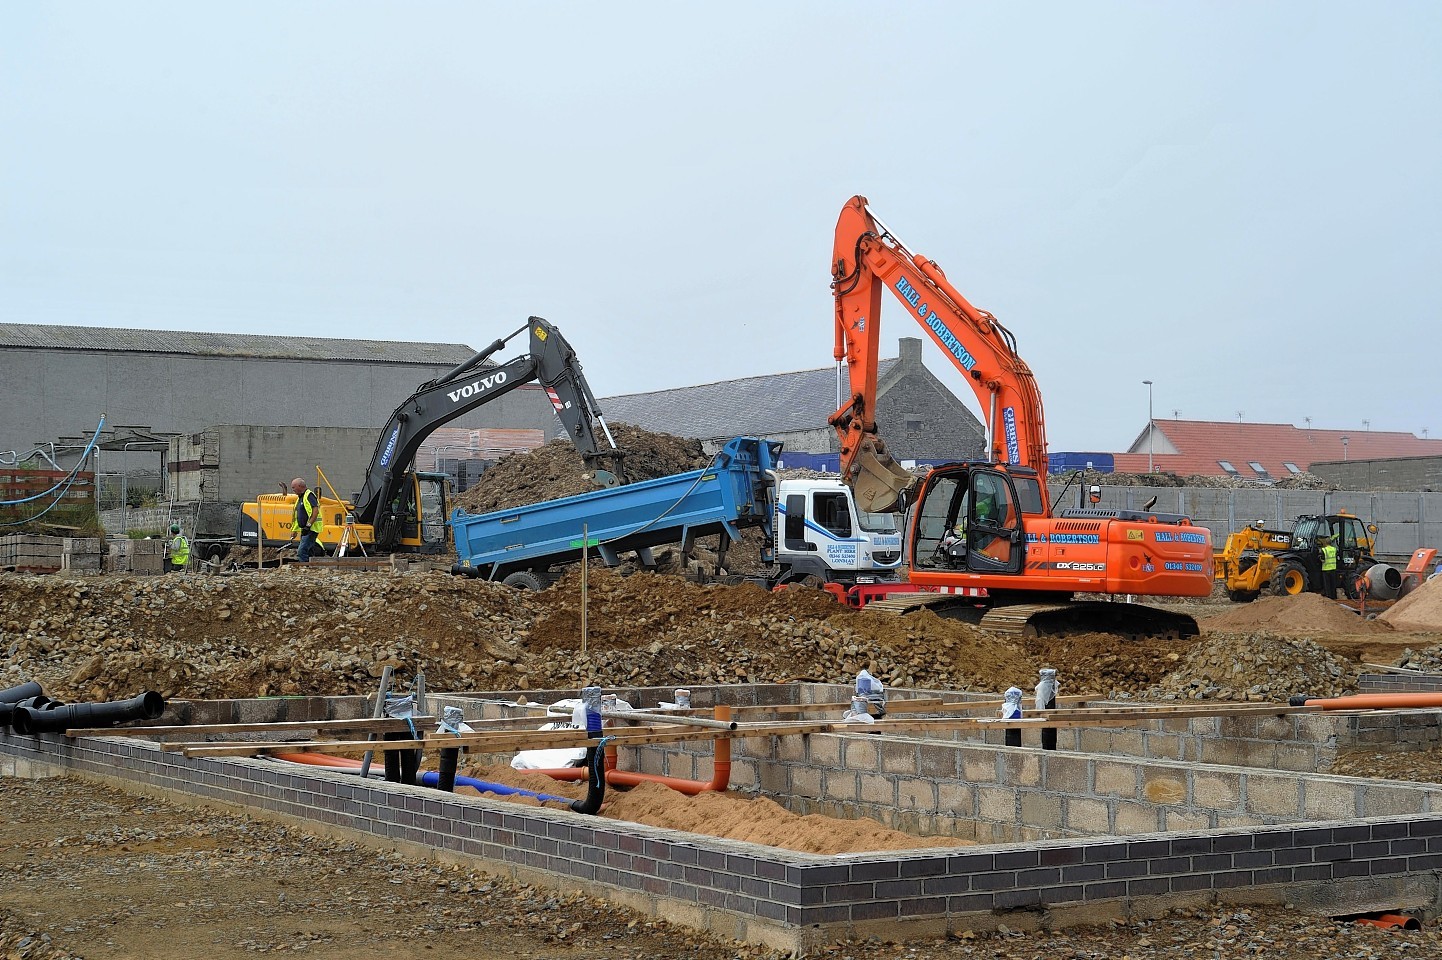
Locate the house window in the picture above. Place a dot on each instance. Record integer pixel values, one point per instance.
(1259, 470)
(913, 429)
(1226, 465)
(1291, 467)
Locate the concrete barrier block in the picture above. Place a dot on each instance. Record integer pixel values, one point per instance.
(1181, 819)
(916, 794)
(1273, 796)
(1133, 817)
(841, 785)
(997, 804)
(1387, 801)
(957, 798)
(1330, 800)
(899, 758)
(1087, 816)
(876, 788)
(979, 767)
(1218, 791)
(823, 749)
(1042, 810)
(1119, 779)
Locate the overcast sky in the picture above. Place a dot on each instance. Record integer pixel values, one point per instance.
(1239, 201)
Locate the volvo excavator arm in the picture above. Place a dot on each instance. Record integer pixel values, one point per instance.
(551, 361)
(868, 258)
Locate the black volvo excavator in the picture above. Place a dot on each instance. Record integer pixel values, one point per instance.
(401, 510)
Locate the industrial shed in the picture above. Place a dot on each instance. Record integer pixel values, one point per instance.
(917, 416)
(56, 381)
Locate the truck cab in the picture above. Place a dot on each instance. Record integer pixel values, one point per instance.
(822, 535)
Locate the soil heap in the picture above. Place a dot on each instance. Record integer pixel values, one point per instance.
(317, 632)
(556, 470)
(1305, 613)
(1419, 610)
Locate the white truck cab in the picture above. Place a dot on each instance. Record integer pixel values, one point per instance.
(820, 534)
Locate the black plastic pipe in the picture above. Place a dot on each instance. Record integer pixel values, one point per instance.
(402, 765)
(450, 759)
(53, 717)
(24, 691)
(595, 782)
(38, 702)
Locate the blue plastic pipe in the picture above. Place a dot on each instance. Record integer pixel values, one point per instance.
(430, 779)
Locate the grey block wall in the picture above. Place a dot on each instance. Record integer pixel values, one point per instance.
(1405, 521)
(234, 463)
(1399, 473)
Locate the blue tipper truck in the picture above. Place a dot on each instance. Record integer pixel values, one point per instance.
(520, 546)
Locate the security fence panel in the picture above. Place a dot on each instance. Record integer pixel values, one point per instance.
(1249, 506)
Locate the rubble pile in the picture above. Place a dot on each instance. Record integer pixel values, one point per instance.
(1299, 481)
(1256, 667)
(1305, 613)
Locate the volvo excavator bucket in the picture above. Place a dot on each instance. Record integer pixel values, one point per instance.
(876, 480)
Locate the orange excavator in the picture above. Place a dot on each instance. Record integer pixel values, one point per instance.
(983, 537)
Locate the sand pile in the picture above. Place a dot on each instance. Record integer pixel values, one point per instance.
(727, 815)
(1420, 610)
(1305, 614)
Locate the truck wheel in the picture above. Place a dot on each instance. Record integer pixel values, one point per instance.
(526, 580)
(1290, 579)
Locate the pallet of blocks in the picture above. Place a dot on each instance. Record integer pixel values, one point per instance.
(30, 553)
(81, 556)
(136, 556)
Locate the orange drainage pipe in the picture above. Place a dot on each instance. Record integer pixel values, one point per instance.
(1376, 701)
(320, 760)
(1391, 921)
(720, 769)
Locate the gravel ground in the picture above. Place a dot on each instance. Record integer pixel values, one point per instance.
(88, 870)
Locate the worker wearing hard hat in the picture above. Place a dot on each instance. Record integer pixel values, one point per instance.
(1329, 567)
(178, 551)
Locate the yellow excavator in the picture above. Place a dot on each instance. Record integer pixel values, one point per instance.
(400, 510)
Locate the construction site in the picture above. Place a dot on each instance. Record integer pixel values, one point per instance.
(252, 758)
(642, 694)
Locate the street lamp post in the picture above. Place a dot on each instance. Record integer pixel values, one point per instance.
(1151, 426)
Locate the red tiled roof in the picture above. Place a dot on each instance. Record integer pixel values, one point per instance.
(1200, 444)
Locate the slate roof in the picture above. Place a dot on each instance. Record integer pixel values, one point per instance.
(755, 406)
(192, 343)
(1202, 443)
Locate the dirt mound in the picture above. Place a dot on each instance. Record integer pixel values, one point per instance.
(300, 631)
(1305, 614)
(556, 469)
(1420, 610)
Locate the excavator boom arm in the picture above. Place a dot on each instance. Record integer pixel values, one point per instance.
(466, 387)
(867, 259)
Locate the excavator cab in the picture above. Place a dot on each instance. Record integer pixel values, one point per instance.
(969, 518)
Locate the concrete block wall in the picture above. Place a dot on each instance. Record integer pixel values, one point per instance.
(1405, 520)
(797, 901)
(31, 552)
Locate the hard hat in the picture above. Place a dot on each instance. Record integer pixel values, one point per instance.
(175, 528)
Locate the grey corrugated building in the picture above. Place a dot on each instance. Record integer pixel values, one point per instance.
(916, 414)
(56, 381)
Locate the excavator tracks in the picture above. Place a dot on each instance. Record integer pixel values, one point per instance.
(1047, 619)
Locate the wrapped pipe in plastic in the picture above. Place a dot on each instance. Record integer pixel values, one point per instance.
(1046, 700)
(54, 717)
(1011, 710)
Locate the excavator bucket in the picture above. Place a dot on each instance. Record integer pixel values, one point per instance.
(876, 480)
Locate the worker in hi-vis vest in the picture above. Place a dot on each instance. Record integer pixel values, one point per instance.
(178, 550)
(1329, 567)
(307, 520)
